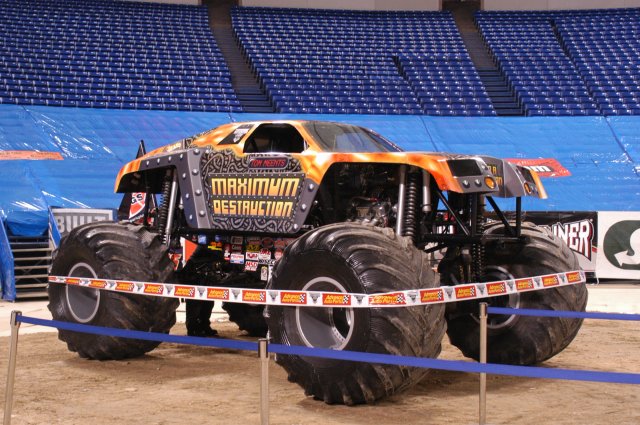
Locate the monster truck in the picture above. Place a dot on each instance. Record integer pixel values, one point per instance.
(320, 206)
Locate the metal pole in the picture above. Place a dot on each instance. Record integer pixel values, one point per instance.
(11, 373)
(483, 359)
(263, 353)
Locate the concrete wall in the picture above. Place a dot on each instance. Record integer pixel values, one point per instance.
(349, 4)
(557, 4)
(437, 4)
(187, 2)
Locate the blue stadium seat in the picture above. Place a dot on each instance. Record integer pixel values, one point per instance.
(575, 61)
(108, 46)
(331, 54)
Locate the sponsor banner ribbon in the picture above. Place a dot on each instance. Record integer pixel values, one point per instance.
(407, 298)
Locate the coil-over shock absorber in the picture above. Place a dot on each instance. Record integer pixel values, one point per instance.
(411, 206)
(167, 208)
(408, 203)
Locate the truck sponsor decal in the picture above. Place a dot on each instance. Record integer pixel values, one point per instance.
(545, 167)
(267, 163)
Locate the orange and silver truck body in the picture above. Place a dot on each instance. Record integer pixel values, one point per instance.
(267, 176)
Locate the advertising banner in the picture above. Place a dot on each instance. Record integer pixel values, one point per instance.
(70, 218)
(619, 242)
(578, 229)
(29, 155)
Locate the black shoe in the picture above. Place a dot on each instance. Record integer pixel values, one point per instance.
(203, 332)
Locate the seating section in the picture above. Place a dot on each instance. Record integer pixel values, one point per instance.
(605, 48)
(133, 55)
(447, 86)
(328, 61)
(531, 57)
(584, 62)
(110, 54)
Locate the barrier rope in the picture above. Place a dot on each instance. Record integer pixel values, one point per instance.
(147, 336)
(405, 298)
(565, 314)
(450, 365)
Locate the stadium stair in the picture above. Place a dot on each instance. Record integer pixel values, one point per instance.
(502, 96)
(250, 94)
(32, 260)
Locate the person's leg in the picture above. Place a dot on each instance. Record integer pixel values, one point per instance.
(198, 314)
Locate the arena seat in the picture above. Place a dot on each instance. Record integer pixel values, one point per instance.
(358, 61)
(581, 62)
(91, 52)
(528, 53)
(605, 48)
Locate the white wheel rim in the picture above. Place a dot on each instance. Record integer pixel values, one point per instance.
(82, 303)
(325, 327)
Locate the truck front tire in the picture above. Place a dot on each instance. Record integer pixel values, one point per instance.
(106, 250)
(352, 258)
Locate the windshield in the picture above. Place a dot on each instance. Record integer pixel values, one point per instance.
(333, 137)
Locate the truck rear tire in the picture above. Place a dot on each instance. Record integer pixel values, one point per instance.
(523, 340)
(111, 251)
(352, 258)
(248, 317)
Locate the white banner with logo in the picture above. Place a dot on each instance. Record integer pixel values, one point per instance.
(68, 219)
(578, 229)
(619, 245)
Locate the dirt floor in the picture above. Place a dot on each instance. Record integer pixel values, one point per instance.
(179, 384)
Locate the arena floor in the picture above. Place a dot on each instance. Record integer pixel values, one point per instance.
(177, 384)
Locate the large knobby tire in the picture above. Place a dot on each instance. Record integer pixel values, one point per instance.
(111, 251)
(248, 317)
(524, 340)
(353, 258)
